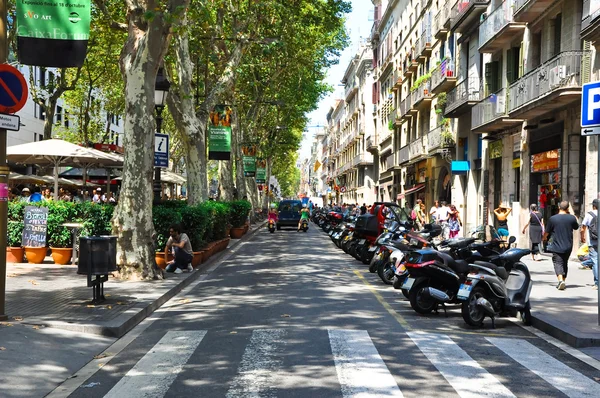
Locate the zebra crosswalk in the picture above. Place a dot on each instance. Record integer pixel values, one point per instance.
(364, 366)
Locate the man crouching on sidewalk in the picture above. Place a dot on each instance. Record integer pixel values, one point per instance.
(182, 251)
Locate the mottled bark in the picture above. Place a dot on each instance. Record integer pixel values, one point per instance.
(140, 59)
(237, 156)
(225, 180)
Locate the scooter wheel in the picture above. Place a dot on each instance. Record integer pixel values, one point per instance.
(405, 293)
(385, 272)
(418, 302)
(471, 313)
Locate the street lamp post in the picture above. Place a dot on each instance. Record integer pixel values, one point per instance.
(161, 88)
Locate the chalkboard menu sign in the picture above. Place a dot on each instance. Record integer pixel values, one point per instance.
(35, 226)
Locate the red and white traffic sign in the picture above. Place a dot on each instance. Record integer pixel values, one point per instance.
(13, 89)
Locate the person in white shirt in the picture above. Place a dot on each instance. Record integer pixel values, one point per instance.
(97, 196)
(433, 212)
(442, 215)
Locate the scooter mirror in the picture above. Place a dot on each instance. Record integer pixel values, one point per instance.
(512, 240)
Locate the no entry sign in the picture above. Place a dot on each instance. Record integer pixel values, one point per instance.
(13, 89)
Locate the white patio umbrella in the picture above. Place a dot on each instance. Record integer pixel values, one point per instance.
(58, 153)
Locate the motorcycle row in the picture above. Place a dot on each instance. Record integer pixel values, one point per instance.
(485, 277)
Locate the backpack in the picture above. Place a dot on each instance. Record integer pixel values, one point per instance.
(593, 227)
(413, 214)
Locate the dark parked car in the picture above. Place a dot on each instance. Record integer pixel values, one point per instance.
(289, 213)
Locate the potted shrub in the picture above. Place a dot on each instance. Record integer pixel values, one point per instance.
(238, 216)
(14, 234)
(61, 244)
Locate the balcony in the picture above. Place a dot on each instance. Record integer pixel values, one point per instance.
(351, 88)
(405, 105)
(422, 95)
(362, 159)
(441, 22)
(550, 86)
(416, 149)
(371, 144)
(443, 77)
(398, 79)
(462, 97)
(389, 162)
(423, 44)
(375, 31)
(529, 10)
(466, 13)
(590, 23)
(490, 114)
(499, 29)
(439, 138)
(403, 154)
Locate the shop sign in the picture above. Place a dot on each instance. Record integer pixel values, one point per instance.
(495, 149)
(545, 161)
(516, 163)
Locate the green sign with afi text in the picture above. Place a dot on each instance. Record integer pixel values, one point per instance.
(54, 19)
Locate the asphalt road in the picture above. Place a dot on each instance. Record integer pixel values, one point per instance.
(290, 315)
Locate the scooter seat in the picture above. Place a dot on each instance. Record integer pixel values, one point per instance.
(458, 266)
(500, 271)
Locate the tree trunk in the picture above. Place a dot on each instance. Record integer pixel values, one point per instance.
(140, 59)
(49, 112)
(225, 180)
(237, 157)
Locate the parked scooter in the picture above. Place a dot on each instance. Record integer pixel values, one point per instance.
(497, 289)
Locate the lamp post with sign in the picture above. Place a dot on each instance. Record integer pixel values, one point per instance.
(161, 88)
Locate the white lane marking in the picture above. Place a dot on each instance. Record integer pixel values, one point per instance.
(259, 365)
(361, 371)
(153, 375)
(463, 373)
(560, 376)
(583, 357)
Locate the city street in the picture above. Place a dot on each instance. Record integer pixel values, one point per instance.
(291, 315)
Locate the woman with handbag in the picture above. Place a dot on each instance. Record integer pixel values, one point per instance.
(536, 230)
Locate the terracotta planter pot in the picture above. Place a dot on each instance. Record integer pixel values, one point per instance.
(225, 243)
(159, 257)
(15, 254)
(35, 255)
(62, 255)
(237, 233)
(197, 259)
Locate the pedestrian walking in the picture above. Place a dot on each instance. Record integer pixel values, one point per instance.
(433, 212)
(363, 209)
(419, 215)
(590, 225)
(442, 214)
(560, 230)
(536, 231)
(454, 222)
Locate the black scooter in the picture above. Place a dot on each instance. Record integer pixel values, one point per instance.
(498, 288)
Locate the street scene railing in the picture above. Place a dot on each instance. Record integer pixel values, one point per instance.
(467, 90)
(561, 71)
(495, 22)
(489, 109)
(441, 72)
(404, 154)
(416, 148)
(439, 137)
(441, 18)
(462, 7)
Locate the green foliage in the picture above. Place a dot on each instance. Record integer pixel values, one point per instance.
(239, 213)
(194, 223)
(14, 233)
(422, 79)
(219, 213)
(441, 102)
(163, 216)
(390, 124)
(59, 212)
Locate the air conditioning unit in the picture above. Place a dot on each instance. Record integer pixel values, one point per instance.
(556, 75)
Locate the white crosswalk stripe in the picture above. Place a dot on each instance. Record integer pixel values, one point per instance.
(463, 373)
(572, 383)
(361, 371)
(153, 375)
(259, 364)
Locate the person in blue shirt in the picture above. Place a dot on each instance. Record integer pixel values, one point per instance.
(36, 196)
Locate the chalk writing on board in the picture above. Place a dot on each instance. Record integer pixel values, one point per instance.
(35, 226)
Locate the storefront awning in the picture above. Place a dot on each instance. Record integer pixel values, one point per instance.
(412, 190)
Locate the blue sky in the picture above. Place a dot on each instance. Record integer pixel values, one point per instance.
(358, 24)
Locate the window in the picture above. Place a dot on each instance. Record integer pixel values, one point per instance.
(42, 76)
(557, 33)
(59, 111)
(66, 119)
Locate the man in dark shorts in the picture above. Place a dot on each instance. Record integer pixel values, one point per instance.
(182, 248)
(560, 228)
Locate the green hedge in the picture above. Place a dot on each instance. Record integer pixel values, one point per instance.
(203, 223)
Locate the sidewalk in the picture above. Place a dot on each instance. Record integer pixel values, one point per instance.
(570, 315)
(53, 330)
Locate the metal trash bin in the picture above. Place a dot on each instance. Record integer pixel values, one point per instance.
(97, 255)
(97, 258)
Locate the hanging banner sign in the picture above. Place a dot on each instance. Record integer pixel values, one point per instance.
(219, 133)
(545, 161)
(53, 33)
(261, 171)
(249, 159)
(495, 149)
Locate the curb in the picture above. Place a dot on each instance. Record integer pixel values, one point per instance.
(119, 326)
(564, 332)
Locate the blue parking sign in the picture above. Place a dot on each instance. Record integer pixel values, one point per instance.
(590, 108)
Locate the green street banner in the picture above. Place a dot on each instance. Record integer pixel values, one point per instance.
(249, 159)
(219, 133)
(261, 171)
(52, 33)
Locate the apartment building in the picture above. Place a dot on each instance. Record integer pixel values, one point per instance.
(348, 168)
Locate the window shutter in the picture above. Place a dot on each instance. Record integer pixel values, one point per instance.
(521, 60)
(510, 66)
(586, 70)
(491, 77)
(488, 79)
